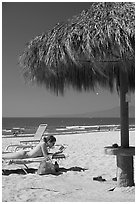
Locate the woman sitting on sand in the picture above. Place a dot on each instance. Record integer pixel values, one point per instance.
(39, 151)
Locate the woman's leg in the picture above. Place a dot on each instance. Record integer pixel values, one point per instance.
(15, 155)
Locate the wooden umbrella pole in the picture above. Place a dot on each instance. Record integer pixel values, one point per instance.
(124, 116)
(125, 172)
(124, 154)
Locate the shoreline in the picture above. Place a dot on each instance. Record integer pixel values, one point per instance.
(71, 130)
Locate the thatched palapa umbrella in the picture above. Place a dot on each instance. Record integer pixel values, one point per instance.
(96, 47)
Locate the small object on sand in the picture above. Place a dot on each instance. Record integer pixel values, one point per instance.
(114, 179)
(47, 167)
(112, 189)
(56, 165)
(98, 178)
(115, 145)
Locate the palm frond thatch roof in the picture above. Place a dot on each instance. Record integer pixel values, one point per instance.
(87, 50)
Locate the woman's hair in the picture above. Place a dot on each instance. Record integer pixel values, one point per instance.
(50, 138)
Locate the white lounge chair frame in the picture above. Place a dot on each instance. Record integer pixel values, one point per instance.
(33, 160)
(29, 143)
(38, 135)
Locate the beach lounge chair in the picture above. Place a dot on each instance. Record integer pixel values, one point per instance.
(38, 135)
(25, 162)
(28, 143)
(16, 147)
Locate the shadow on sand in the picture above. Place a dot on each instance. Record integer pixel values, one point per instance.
(7, 172)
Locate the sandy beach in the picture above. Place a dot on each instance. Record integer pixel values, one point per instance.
(86, 159)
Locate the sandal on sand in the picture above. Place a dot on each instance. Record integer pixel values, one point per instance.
(98, 178)
(112, 189)
(114, 179)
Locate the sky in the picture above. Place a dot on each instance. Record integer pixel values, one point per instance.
(22, 21)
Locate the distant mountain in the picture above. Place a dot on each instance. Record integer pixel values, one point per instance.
(114, 112)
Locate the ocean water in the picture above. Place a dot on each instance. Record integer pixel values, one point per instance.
(61, 125)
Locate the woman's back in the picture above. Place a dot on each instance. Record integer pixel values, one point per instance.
(37, 151)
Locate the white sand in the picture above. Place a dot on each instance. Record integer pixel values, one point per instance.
(85, 151)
